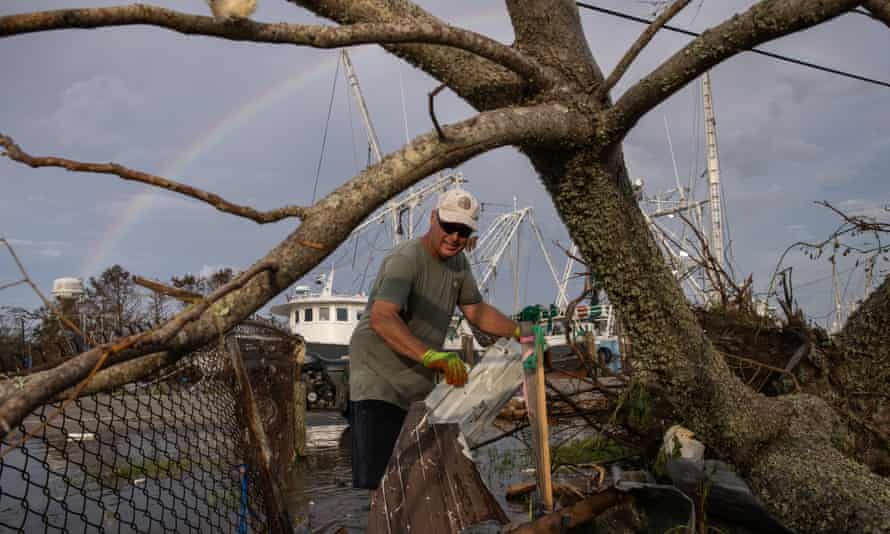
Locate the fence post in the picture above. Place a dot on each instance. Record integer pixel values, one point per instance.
(299, 400)
(276, 516)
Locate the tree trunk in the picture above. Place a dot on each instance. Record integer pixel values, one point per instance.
(785, 446)
(863, 375)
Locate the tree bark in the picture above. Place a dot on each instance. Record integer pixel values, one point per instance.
(482, 83)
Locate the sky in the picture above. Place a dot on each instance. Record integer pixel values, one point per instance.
(246, 121)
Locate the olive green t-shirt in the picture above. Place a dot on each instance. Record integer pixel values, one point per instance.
(426, 289)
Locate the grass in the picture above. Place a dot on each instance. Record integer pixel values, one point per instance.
(588, 450)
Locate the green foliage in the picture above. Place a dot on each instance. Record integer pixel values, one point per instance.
(660, 465)
(635, 406)
(588, 450)
(161, 469)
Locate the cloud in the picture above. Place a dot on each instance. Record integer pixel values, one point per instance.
(864, 208)
(31, 243)
(48, 249)
(50, 252)
(90, 112)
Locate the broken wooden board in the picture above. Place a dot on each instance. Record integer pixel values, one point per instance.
(430, 485)
(490, 384)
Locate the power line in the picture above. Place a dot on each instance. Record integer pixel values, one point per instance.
(772, 55)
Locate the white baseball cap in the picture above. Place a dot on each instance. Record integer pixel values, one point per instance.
(459, 206)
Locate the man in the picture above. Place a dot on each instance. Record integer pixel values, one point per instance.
(395, 350)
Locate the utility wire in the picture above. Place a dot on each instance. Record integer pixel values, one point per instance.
(772, 55)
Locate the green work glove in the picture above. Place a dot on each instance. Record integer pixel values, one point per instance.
(531, 362)
(448, 363)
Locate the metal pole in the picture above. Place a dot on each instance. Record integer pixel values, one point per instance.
(363, 109)
(713, 172)
(561, 299)
(25, 361)
(516, 263)
(837, 293)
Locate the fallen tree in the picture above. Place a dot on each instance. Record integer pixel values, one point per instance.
(546, 95)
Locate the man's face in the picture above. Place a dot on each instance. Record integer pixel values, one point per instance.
(448, 239)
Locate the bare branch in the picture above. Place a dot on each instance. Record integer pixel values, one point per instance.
(761, 23)
(880, 9)
(13, 284)
(432, 96)
(14, 152)
(121, 374)
(632, 53)
(26, 278)
(280, 33)
(175, 292)
(172, 327)
(851, 225)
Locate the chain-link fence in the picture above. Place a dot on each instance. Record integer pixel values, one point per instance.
(177, 453)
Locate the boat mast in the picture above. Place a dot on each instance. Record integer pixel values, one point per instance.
(713, 172)
(360, 99)
(352, 78)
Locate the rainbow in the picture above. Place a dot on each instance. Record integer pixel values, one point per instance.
(97, 254)
(99, 251)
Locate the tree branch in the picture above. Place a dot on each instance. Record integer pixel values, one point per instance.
(761, 23)
(280, 33)
(175, 292)
(14, 152)
(541, 125)
(880, 9)
(634, 51)
(26, 278)
(551, 32)
(485, 85)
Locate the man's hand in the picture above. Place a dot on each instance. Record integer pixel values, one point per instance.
(534, 334)
(524, 332)
(449, 363)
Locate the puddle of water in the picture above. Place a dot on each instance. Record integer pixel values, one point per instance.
(320, 489)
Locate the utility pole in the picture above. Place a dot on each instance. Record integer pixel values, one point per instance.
(837, 292)
(716, 235)
(25, 362)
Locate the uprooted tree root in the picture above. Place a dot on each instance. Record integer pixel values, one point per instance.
(778, 359)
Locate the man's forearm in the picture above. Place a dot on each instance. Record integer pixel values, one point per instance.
(395, 333)
(491, 321)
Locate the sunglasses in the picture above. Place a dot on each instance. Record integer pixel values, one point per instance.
(461, 230)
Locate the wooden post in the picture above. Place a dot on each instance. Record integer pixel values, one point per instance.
(536, 404)
(299, 400)
(543, 432)
(277, 518)
(590, 345)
